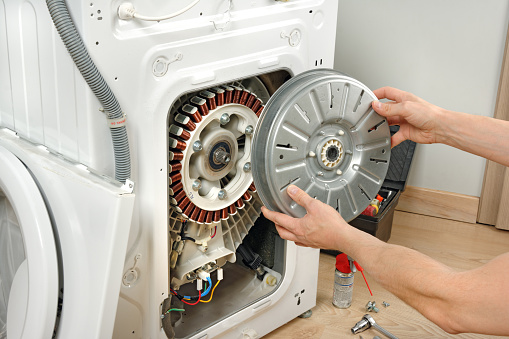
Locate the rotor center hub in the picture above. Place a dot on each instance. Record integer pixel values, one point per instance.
(330, 153)
(221, 155)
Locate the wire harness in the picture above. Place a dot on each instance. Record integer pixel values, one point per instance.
(126, 11)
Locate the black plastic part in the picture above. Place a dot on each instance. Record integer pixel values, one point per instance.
(251, 260)
(380, 225)
(395, 182)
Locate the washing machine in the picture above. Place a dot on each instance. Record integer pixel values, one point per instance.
(129, 130)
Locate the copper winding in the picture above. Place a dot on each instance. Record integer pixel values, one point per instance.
(175, 166)
(175, 187)
(187, 212)
(177, 144)
(180, 196)
(256, 105)
(195, 213)
(243, 97)
(231, 209)
(237, 91)
(174, 177)
(208, 219)
(219, 95)
(246, 196)
(228, 94)
(240, 204)
(201, 104)
(252, 187)
(259, 111)
(175, 155)
(224, 213)
(217, 216)
(182, 205)
(201, 217)
(184, 120)
(250, 100)
(192, 112)
(211, 99)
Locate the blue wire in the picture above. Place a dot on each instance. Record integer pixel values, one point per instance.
(206, 291)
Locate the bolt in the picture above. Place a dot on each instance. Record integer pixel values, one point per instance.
(386, 304)
(247, 167)
(191, 276)
(371, 306)
(197, 146)
(271, 280)
(319, 173)
(249, 130)
(222, 194)
(196, 185)
(339, 172)
(225, 118)
(341, 132)
(322, 133)
(312, 154)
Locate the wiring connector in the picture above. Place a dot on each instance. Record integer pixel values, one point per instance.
(203, 275)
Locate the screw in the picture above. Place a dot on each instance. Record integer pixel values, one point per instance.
(196, 185)
(319, 173)
(322, 133)
(191, 276)
(222, 194)
(197, 146)
(249, 130)
(225, 118)
(386, 304)
(371, 306)
(312, 154)
(247, 167)
(341, 132)
(339, 172)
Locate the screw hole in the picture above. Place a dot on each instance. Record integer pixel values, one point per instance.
(97, 42)
(92, 14)
(383, 151)
(116, 78)
(311, 11)
(281, 156)
(98, 11)
(91, 4)
(201, 13)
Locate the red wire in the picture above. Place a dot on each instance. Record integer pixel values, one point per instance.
(213, 235)
(199, 297)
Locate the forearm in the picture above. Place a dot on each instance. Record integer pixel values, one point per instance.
(470, 301)
(483, 136)
(412, 276)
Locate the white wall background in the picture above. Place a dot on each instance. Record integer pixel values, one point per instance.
(447, 52)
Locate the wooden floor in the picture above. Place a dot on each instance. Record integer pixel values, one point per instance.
(457, 244)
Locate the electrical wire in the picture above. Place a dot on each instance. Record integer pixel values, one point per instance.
(211, 293)
(199, 297)
(127, 11)
(213, 235)
(173, 309)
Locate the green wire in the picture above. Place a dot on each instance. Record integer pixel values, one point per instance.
(175, 309)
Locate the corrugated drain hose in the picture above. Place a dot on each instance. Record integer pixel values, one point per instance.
(72, 41)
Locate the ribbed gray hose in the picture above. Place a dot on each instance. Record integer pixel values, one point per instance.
(72, 41)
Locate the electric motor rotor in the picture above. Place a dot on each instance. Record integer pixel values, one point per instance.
(318, 131)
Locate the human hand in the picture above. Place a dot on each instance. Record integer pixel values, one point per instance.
(319, 228)
(418, 119)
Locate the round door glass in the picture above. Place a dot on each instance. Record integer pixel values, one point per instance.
(12, 255)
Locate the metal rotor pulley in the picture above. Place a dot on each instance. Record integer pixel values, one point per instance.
(319, 132)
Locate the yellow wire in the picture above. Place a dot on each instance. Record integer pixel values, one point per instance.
(211, 293)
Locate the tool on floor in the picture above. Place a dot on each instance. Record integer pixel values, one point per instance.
(371, 306)
(367, 322)
(343, 280)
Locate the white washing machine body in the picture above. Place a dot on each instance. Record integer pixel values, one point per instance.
(72, 227)
(149, 66)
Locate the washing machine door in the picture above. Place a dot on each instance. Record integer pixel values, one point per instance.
(28, 256)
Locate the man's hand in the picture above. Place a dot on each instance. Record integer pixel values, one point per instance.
(319, 228)
(418, 119)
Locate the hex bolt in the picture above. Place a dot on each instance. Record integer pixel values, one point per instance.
(312, 154)
(225, 118)
(386, 304)
(247, 167)
(341, 132)
(197, 146)
(249, 130)
(196, 185)
(222, 194)
(319, 173)
(322, 133)
(367, 322)
(339, 172)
